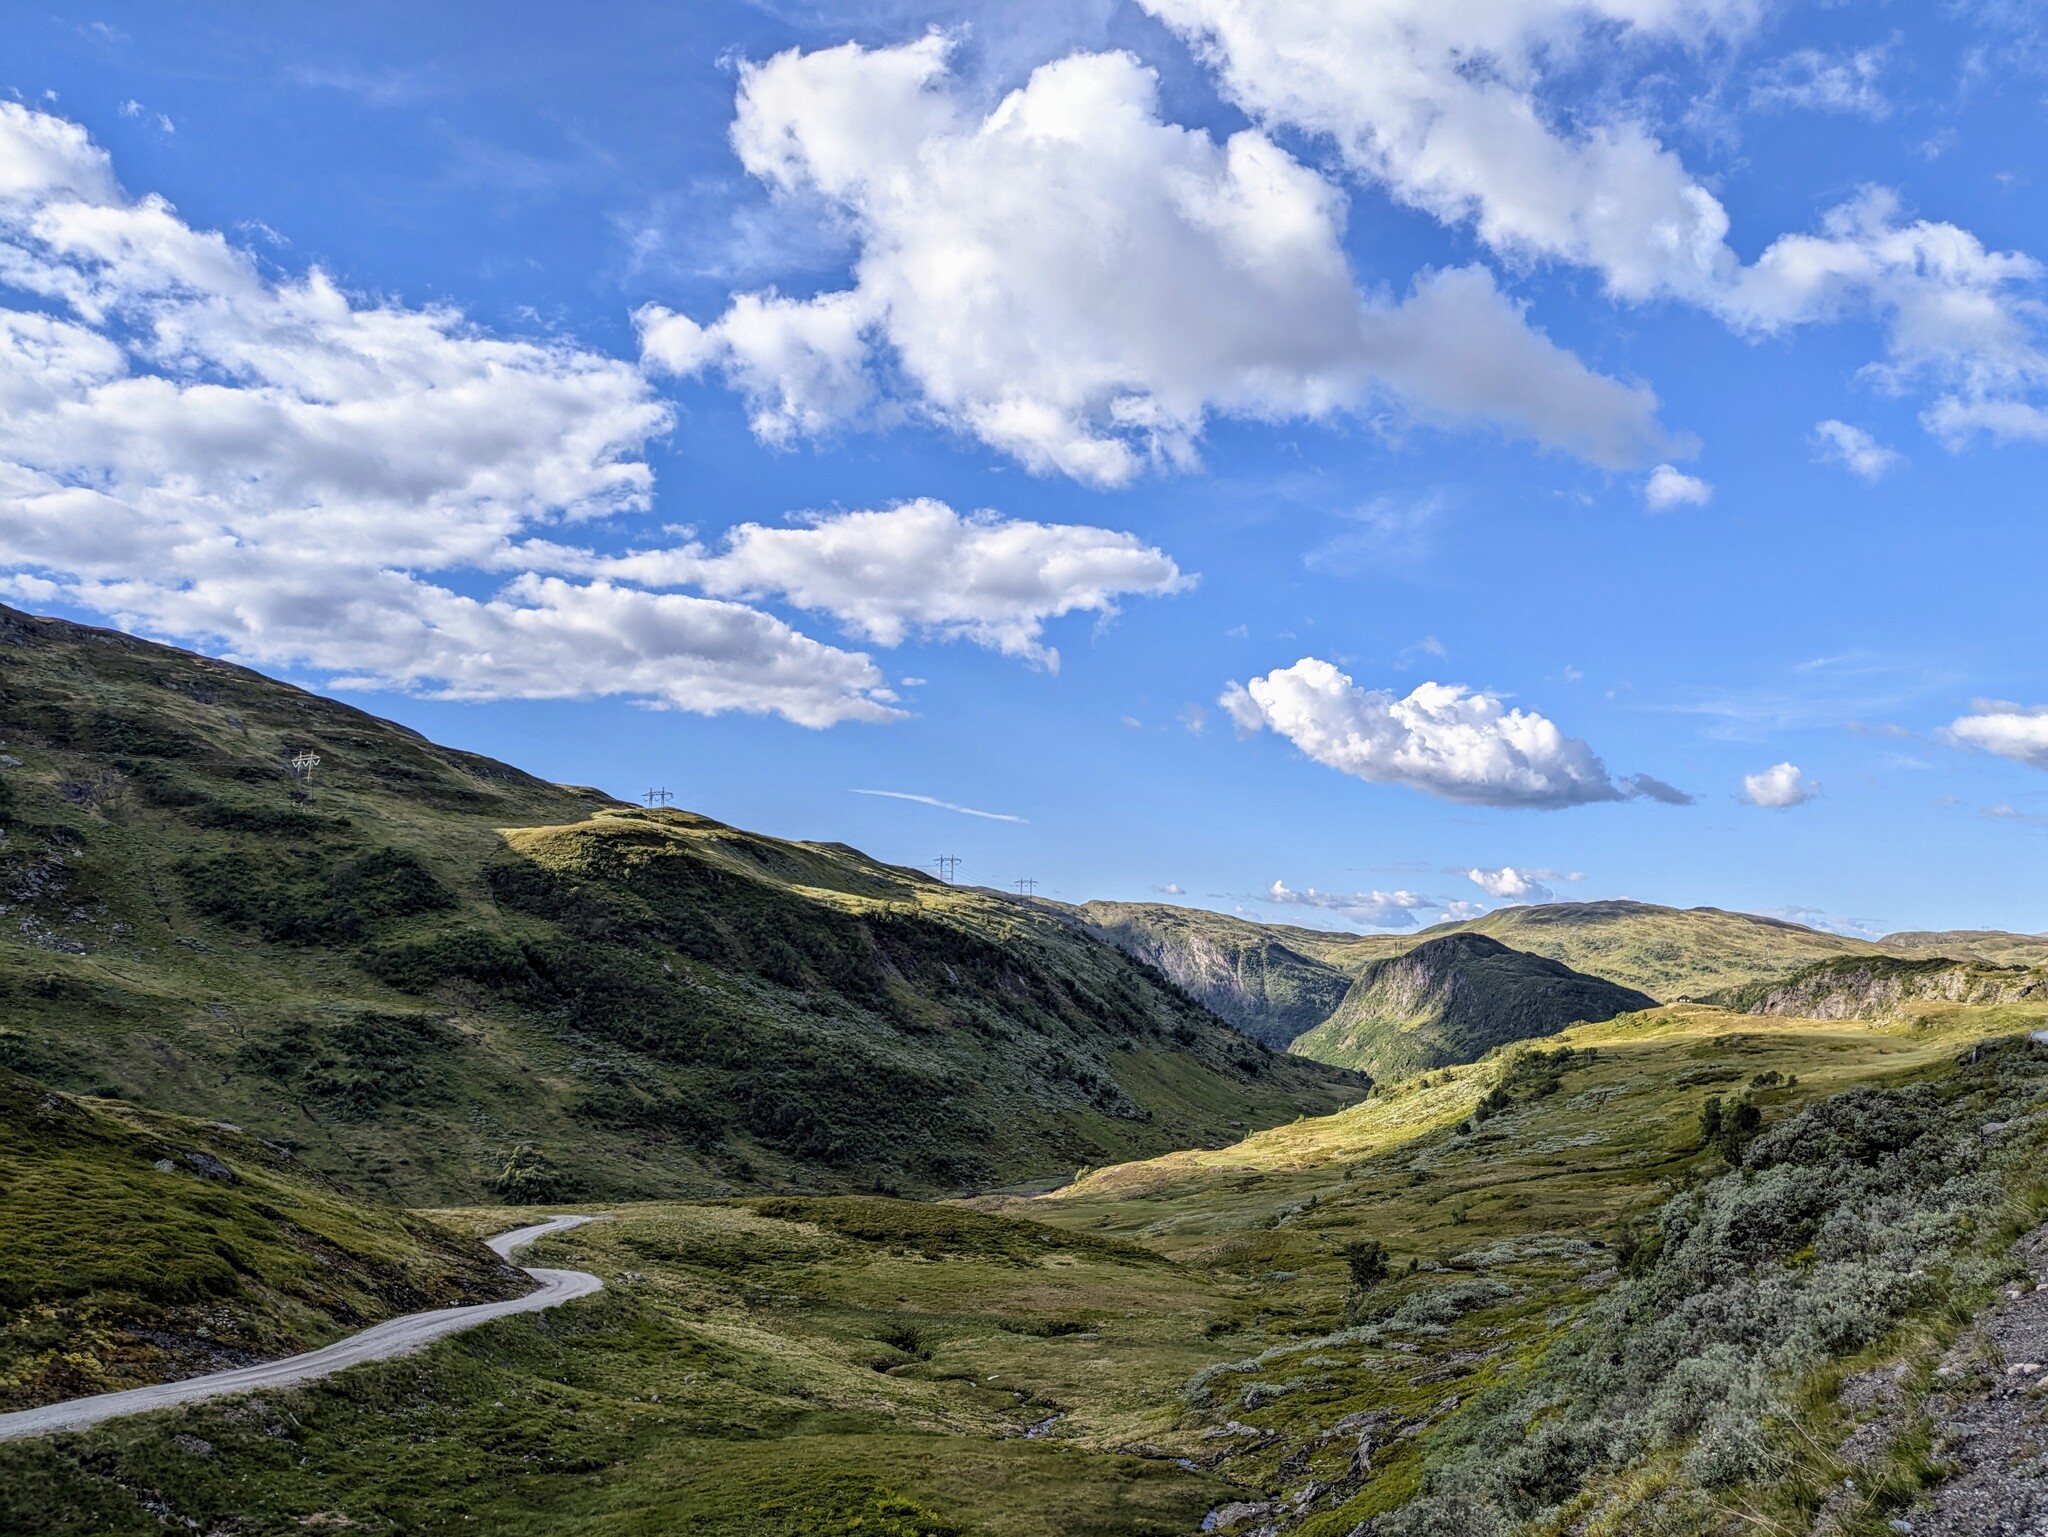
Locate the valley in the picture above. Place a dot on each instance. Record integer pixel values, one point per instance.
(932, 1210)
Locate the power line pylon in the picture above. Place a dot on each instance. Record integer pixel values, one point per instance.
(948, 864)
(658, 797)
(1027, 887)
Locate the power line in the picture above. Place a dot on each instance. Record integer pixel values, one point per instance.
(947, 863)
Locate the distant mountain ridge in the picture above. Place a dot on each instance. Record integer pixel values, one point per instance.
(1453, 999)
(1268, 979)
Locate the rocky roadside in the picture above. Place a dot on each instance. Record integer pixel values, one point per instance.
(1990, 1412)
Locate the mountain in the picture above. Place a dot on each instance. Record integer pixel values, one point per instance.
(1883, 987)
(1993, 946)
(439, 976)
(1272, 982)
(142, 1247)
(1453, 999)
(1667, 952)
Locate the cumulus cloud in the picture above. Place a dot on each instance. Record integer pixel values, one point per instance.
(1445, 739)
(1854, 450)
(1668, 487)
(1825, 82)
(200, 448)
(1779, 786)
(2009, 730)
(1372, 909)
(922, 569)
(1446, 107)
(1507, 884)
(1082, 285)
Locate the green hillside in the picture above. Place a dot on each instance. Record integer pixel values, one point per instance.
(143, 1247)
(1453, 999)
(1669, 953)
(1271, 981)
(443, 978)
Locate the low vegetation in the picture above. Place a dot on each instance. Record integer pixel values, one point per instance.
(141, 1247)
(1341, 1320)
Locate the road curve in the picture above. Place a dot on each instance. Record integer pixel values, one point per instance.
(380, 1342)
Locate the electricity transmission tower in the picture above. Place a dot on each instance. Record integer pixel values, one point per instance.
(947, 863)
(1027, 887)
(658, 797)
(302, 765)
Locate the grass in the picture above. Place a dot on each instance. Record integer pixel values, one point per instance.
(142, 1247)
(1182, 1332)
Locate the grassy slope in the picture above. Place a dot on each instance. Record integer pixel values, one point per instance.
(1667, 952)
(115, 1272)
(860, 1365)
(601, 1002)
(1993, 947)
(1454, 999)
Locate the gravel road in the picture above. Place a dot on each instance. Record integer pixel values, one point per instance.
(393, 1337)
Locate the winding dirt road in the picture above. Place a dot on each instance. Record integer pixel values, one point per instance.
(380, 1342)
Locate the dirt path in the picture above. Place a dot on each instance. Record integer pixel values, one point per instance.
(393, 1337)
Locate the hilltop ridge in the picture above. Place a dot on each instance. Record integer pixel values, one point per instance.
(439, 975)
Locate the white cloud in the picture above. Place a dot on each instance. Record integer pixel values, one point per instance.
(1779, 786)
(1854, 450)
(1668, 487)
(1446, 107)
(1081, 285)
(1442, 738)
(931, 800)
(1507, 884)
(310, 478)
(1822, 82)
(1460, 912)
(922, 569)
(2009, 730)
(1373, 909)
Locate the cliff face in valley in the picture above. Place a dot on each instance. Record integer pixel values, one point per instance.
(1269, 981)
(1885, 988)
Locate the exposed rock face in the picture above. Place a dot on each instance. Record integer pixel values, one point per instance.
(1264, 987)
(1885, 988)
(1453, 1000)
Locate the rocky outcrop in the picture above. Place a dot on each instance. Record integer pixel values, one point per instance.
(1885, 988)
(1266, 988)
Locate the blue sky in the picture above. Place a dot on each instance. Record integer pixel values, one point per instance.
(1340, 462)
